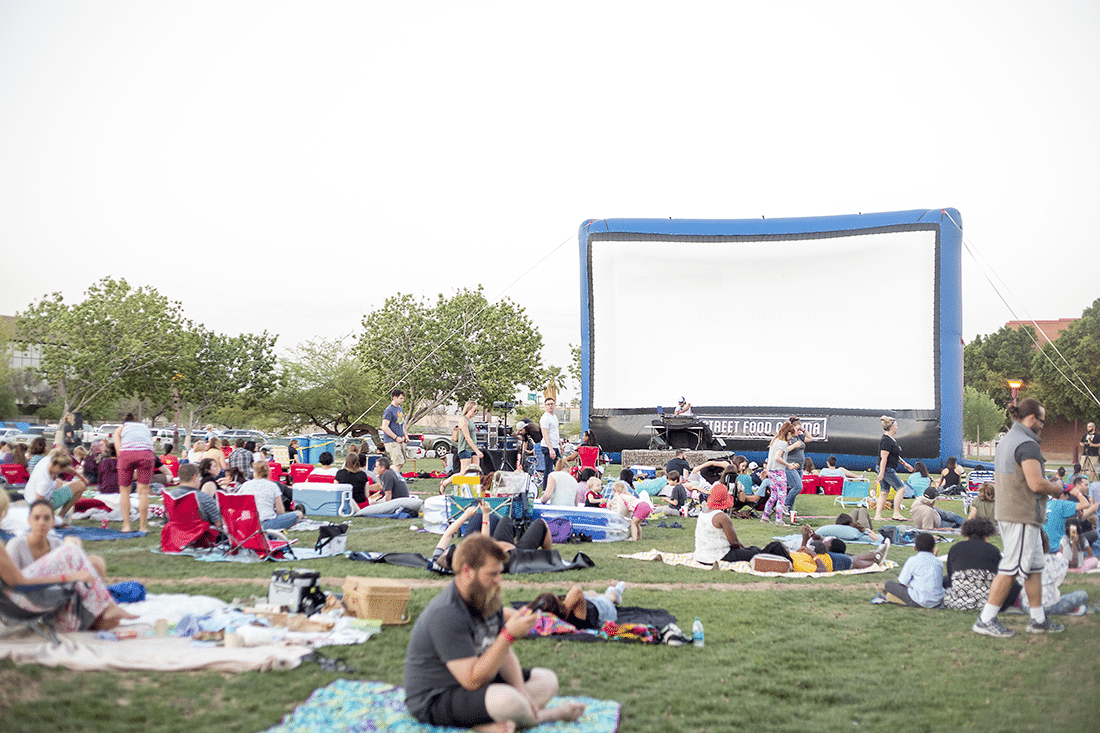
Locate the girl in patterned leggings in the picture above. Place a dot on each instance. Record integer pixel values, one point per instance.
(777, 463)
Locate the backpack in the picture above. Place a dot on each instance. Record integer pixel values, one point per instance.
(560, 529)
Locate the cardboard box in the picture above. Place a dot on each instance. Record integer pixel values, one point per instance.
(379, 598)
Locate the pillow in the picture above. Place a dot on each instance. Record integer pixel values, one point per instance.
(840, 531)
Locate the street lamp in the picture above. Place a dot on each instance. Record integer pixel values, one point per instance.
(1015, 384)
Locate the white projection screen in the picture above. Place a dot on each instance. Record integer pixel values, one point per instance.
(841, 321)
(838, 320)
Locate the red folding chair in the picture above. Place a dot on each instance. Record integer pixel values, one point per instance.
(299, 471)
(810, 483)
(319, 478)
(589, 457)
(276, 471)
(242, 525)
(185, 526)
(832, 485)
(15, 473)
(173, 464)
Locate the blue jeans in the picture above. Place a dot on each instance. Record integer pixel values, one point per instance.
(950, 518)
(794, 486)
(1068, 602)
(281, 521)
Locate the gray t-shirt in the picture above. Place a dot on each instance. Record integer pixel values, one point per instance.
(446, 630)
(396, 485)
(797, 455)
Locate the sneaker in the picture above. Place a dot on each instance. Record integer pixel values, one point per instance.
(1047, 627)
(993, 628)
(881, 550)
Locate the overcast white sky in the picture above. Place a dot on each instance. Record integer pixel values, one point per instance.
(288, 165)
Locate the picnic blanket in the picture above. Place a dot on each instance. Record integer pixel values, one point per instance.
(519, 560)
(85, 651)
(687, 558)
(218, 554)
(351, 706)
(94, 534)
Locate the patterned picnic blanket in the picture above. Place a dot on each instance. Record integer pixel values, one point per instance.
(351, 706)
(686, 558)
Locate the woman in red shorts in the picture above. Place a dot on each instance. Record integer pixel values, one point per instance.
(134, 444)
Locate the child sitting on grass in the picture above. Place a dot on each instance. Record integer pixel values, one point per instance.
(920, 582)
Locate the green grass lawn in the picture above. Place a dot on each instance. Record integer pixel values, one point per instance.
(793, 655)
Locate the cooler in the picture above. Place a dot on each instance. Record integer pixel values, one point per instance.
(378, 598)
(330, 500)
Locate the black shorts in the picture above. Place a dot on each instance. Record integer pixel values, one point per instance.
(462, 708)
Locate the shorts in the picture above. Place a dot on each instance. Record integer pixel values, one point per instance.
(642, 510)
(1023, 549)
(135, 465)
(891, 480)
(605, 609)
(463, 455)
(60, 497)
(396, 452)
(461, 708)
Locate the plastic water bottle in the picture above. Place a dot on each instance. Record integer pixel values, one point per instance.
(697, 633)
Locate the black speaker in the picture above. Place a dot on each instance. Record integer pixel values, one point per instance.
(78, 420)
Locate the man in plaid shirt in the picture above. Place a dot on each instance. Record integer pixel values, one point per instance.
(241, 458)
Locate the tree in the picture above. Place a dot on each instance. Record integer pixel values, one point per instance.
(575, 366)
(461, 348)
(982, 417)
(554, 382)
(327, 385)
(215, 370)
(116, 340)
(989, 363)
(1062, 389)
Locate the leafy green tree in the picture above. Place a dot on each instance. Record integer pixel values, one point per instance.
(460, 348)
(575, 366)
(115, 340)
(215, 370)
(1063, 387)
(982, 417)
(325, 384)
(989, 362)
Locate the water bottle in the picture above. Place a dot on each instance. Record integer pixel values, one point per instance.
(697, 633)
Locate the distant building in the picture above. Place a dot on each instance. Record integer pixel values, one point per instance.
(1048, 329)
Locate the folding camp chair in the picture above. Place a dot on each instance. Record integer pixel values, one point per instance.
(465, 486)
(242, 524)
(299, 471)
(589, 457)
(47, 601)
(14, 473)
(810, 483)
(855, 493)
(832, 485)
(185, 526)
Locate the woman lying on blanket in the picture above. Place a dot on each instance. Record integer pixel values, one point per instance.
(66, 564)
(584, 609)
(818, 555)
(29, 548)
(537, 536)
(854, 527)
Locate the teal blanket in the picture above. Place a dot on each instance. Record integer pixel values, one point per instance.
(351, 706)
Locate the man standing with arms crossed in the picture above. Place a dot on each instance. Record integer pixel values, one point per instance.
(551, 439)
(1022, 493)
(460, 669)
(393, 430)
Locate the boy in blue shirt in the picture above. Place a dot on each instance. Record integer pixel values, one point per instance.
(920, 582)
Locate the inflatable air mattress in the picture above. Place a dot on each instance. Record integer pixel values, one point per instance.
(603, 525)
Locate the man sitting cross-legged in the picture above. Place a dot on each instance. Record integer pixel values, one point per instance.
(460, 669)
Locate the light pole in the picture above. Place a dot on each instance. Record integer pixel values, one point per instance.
(1015, 384)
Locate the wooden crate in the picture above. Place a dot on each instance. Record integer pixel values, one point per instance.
(378, 598)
